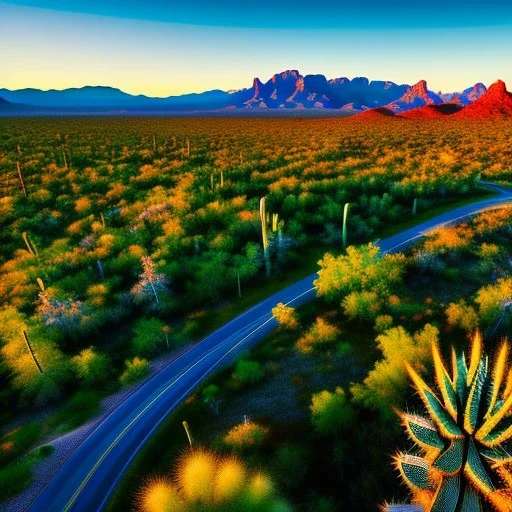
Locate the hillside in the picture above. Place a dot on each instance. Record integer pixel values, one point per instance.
(495, 103)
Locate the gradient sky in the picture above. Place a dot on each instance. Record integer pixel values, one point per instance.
(161, 48)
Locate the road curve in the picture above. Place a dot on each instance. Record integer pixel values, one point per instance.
(85, 481)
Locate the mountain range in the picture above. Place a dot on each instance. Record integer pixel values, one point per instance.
(287, 90)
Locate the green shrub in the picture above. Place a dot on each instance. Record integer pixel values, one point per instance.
(330, 411)
(148, 336)
(91, 368)
(248, 372)
(136, 370)
(15, 478)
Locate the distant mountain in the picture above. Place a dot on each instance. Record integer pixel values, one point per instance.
(495, 103)
(416, 96)
(286, 90)
(8, 107)
(100, 97)
(290, 89)
(465, 97)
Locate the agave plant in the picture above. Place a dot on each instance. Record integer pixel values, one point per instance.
(464, 457)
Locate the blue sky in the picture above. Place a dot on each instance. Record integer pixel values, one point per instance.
(168, 47)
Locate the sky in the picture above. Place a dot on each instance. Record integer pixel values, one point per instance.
(162, 48)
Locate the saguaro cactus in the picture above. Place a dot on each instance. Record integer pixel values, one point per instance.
(29, 346)
(32, 249)
(22, 180)
(264, 236)
(344, 232)
(464, 462)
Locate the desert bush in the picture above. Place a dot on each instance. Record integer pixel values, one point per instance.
(148, 336)
(248, 372)
(320, 334)
(135, 370)
(246, 435)
(331, 411)
(207, 482)
(91, 367)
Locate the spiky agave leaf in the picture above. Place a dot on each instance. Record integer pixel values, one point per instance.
(471, 458)
(448, 428)
(450, 461)
(447, 495)
(444, 382)
(497, 456)
(414, 470)
(474, 403)
(499, 435)
(475, 356)
(471, 501)
(460, 375)
(498, 374)
(492, 421)
(422, 431)
(475, 470)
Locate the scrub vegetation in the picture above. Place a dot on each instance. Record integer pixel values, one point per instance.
(123, 239)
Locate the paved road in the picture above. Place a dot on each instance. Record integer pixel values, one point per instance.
(86, 479)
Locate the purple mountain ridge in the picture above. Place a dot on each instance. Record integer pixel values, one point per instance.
(286, 90)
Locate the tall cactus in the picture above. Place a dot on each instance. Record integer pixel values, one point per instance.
(32, 249)
(344, 231)
(264, 236)
(22, 180)
(464, 462)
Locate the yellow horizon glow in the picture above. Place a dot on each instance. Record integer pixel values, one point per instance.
(56, 50)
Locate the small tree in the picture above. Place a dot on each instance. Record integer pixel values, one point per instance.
(150, 284)
(360, 269)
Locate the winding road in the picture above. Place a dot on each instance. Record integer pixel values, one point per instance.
(85, 481)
